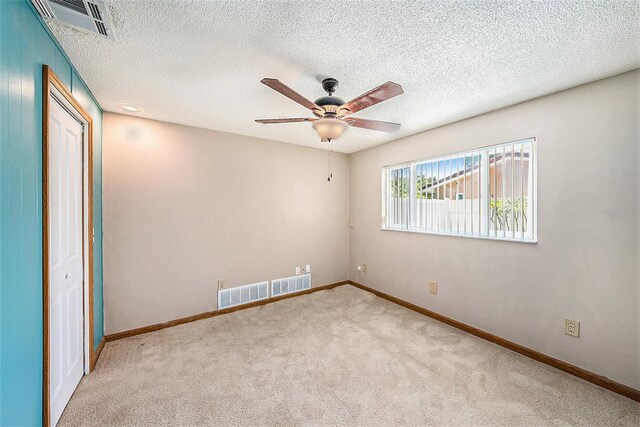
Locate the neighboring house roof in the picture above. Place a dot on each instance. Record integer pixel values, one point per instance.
(473, 168)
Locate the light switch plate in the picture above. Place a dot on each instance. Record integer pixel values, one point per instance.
(364, 268)
(307, 268)
(433, 287)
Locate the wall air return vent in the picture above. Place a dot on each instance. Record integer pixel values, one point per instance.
(242, 295)
(289, 285)
(86, 15)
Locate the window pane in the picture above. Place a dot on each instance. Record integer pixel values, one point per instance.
(398, 201)
(476, 179)
(493, 192)
(421, 195)
(460, 198)
(498, 210)
(431, 181)
(468, 193)
(487, 192)
(526, 182)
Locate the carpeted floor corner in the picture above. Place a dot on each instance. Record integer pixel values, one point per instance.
(334, 357)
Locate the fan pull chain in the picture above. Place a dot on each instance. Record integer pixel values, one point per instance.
(330, 165)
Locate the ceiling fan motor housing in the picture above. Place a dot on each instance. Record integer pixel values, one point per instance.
(329, 103)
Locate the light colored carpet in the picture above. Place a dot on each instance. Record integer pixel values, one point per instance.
(340, 357)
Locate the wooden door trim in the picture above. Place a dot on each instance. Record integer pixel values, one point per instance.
(49, 78)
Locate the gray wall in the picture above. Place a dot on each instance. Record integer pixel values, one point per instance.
(585, 265)
(184, 207)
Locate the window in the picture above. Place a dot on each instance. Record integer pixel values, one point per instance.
(488, 192)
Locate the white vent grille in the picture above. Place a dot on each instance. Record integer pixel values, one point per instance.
(95, 12)
(77, 5)
(242, 295)
(289, 285)
(86, 15)
(43, 8)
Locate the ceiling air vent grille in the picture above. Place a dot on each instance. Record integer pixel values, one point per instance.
(91, 16)
(289, 285)
(95, 12)
(42, 8)
(101, 29)
(242, 295)
(77, 5)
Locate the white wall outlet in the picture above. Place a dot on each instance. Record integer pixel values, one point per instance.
(222, 284)
(359, 268)
(364, 268)
(297, 271)
(433, 287)
(307, 268)
(572, 327)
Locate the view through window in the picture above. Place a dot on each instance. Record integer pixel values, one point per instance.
(488, 192)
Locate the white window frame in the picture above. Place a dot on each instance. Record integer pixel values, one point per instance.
(485, 232)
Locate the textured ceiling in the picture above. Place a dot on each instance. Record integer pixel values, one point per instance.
(200, 62)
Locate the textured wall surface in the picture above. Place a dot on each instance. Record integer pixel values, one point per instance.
(25, 46)
(184, 207)
(585, 265)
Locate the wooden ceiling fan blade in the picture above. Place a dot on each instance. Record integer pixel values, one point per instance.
(376, 95)
(372, 124)
(291, 120)
(278, 86)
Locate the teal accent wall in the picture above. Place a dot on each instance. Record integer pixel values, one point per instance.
(25, 45)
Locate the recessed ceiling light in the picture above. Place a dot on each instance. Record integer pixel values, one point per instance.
(130, 108)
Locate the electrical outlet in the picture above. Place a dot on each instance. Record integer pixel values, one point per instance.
(297, 271)
(307, 268)
(364, 268)
(572, 327)
(221, 284)
(359, 268)
(433, 287)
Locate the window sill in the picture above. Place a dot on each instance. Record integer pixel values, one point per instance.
(500, 239)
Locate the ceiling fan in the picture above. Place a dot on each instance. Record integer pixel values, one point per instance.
(333, 115)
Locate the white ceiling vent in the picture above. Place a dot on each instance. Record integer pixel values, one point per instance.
(290, 284)
(86, 15)
(242, 295)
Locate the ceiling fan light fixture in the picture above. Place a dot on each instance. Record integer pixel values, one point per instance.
(329, 129)
(332, 112)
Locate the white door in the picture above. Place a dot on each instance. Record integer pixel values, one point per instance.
(66, 320)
